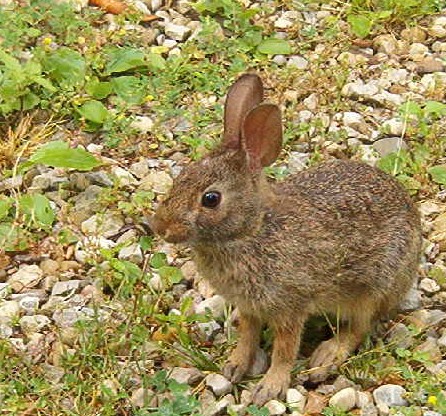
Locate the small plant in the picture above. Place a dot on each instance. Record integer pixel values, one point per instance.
(364, 16)
(416, 165)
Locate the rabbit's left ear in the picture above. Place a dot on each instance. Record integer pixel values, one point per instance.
(262, 135)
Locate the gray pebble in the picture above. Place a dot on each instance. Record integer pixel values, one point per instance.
(344, 399)
(132, 253)
(186, 375)
(215, 305)
(390, 395)
(218, 384)
(275, 407)
(26, 277)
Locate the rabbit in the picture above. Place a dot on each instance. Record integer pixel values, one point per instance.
(341, 237)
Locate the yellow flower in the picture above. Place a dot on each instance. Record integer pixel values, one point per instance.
(432, 400)
(81, 40)
(47, 41)
(149, 98)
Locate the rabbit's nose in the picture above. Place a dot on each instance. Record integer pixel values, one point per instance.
(171, 232)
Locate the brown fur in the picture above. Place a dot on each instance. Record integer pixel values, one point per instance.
(341, 237)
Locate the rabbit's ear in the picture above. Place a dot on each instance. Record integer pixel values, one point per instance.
(245, 94)
(262, 135)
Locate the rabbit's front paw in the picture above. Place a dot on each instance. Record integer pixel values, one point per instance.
(235, 369)
(272, 386)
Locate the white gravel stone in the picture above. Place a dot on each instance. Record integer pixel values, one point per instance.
(412, 301)
(186, 375)
(219, 407)
(216, 305)
(67, 287)
(9, 309)
(369, 410)
(218, 384)
(142, 123)
(156, 282)
(132, 253)
(344, 399)
(34, 323)
(283, 23)
(442, 340)
(66, 318)
(4, 290)
(352, 119)
(177, 32)
(160, 182)
(124, 177)
(429, 286)
(106, 225)
(363, 399)
(389, 145)
(390, 395)
(275, 407)
(6, 330)
(279, 59)
(29, 304)
(208, 329)
(298, 61)
(360, 90)
(295, 400)
(297, 161)
(142, 397)
(311, 102)
(437, 31)
(394, 127)
(26, 277)
(418, 51)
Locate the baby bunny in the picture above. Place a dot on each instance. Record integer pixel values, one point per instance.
(341, 238)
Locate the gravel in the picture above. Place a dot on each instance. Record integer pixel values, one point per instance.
(43, 298)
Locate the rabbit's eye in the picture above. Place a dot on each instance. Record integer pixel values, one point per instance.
(211, 199)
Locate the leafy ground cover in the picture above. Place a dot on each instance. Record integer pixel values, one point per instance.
(98, 112)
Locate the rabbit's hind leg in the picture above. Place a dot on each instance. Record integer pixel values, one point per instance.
(332, 353)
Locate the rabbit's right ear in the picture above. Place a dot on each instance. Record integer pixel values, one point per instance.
(245, 94)
(262, 135)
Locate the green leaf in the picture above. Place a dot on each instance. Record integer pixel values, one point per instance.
(393, 163)
(130, 270)
(145, 242)
(158, 260)
(155, 62)
(438, 174)
(58, 154)
(171, 274)
(436, 108)
(93, 111)
(411, 108)
(130, 89)
(410, 183)
(124, 59)
(66, 66)
(38, 208)
(5, 206)
(360, 25)
(29, 101)
(274, 47)
(13, 238)
(98, 90)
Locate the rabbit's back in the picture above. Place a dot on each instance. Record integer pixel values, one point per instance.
(333, 233)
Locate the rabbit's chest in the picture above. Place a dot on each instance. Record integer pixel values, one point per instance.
(233, 280)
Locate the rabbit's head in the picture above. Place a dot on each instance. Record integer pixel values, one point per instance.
(220, 197)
